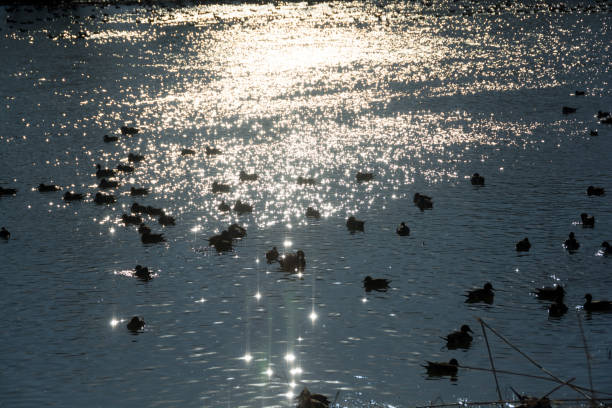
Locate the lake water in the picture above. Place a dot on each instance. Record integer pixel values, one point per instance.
(420, 95)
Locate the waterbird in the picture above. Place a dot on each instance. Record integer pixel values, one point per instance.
(138, 191)
(128, 130)
(557, 309)
(379, 284)
(361, 177)
(223, 207)
(594, 132)
(459, 339)
(109, 139)
(272, 255)
(607, 120)
(587, 220)
(595, 191)
(4, 234)
(7, 191)
(166, 220)
(143, 228)
(579, 93)
(435, 369)
(136, 324)
(571, 244)
(596, 305)
(477, 180)
(106, 184)
(221, 242)
(606, 248)
(354, 224)
(291, 262)
(72, 196)
(150, 238)
(101, 173)
(187, 152)
(102, 198)
(312, 213)
(403, 230)
(306, 180)
(485, 294)
(125, 168)
(45, 188)
(602, 114)
(211, 151)
(244, 176)
(135, 158)
(242, 208)
(422, 201)
(308, 400)
(142, 272)
(131, 219)
(556, 292)
(236, 231)
(523, 245)
(220, 187)
(566, 110)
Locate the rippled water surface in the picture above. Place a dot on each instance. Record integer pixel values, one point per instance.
(421, 95)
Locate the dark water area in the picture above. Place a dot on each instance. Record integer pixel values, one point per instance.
(421, 95)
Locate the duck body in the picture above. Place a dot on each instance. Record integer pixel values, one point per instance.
(312, 213)
(125, 168)
(459, 339)
(128, 130)
(403, 230)
(150, 238)
(131, 219)
(107, 184)
(143, 228)
(102, 173)
(602, 114)
(7, 191)
(308, 400)
(588, 221)
(597, 305)
(223, 207)
(242, 208)
(292, 262)
(220, 188)
(142, 272)
(523, 245)
(166, 220)
(46, 188)
(566, 110)
(485, 294)
(187, 152)
(306, 180)
(361, 177)
(135, 158)
(442, 369)
(222, 242)
(272, 255)
(606, 121)
(477, 180)
(379, 284)
(140, 191)
(422, 201)
(72, 196)
(606, 249)
(244, 176)
(553, 293)
(354, 224)
(595, 191)
(4, 234)
(557, 309)
(102, 198)
(212, 151)
(137, 323)
(110, 139)
(571, 244)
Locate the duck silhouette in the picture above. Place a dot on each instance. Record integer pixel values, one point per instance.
(72, 196)
(272, 255)
(220, 188)
(212, 151)
(102, 173)
(135, 158)
(166, 220)
(435, 369)
(523, 245)
(557, 309)
(150, 238)
(308, 400)
(109, 139)
(7, 191)
(485, 294)
(244, 176)
(223, 207)
(379, 285)
(422, 201)
(131, 219)
(550, 293)
(242, 208)
(477, 180)
(292, 262)
(125, 168)
(588, 221)
(187, 152)
(361, 177)
(354, 224)
(138, 191)
(142, 272)
(136, 324)
(566, 110)
(4, 234)
(571, 244)
(306, 180)
(312, 213)
(129, 130)
(606, 249)
(143, 228)
(102, 198)
(596, 305)
(595, 191)
(107, 184)
(403, 230)
(459, 339)
(46, 188)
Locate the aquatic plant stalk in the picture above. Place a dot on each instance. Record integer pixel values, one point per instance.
(484, 332)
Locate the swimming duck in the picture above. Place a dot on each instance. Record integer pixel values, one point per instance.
(149, 238)
(139, 191)
(166, 220)
(187, 152)
(361, 177)
(557, 309)
(571, 244)
(221, 242)
(595, 191)
(244, 176)
(136, 324)
(579, 93)
(4, 234)
(533, 402)
(477, 180)
(587, 221)
(594, 132)
(481, 295)
(125, 168)
(606, 248)
(422, 201)
(566, 110)
(312, 213)
(379, 285)
(131, 219)
(106, 184)
(596, 305)
(135, 158)
(223, 207)
(441, 369)
(292, 262)
(303, 180)
(403, 230)
(242, 208)
(143, 228)
(45, 188)
(128, 130)
(7, 191)
(308, 400)
(101, 173)
(607, 120)
(523, 245)
(142, 273)
(72, 196)
(459, 339)
(236, 231)
(102, 198)
(354, 224)
(602, 114)
(211, 151)
(272, 255)
(220, 188)
(550, 293)
(109, 139)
